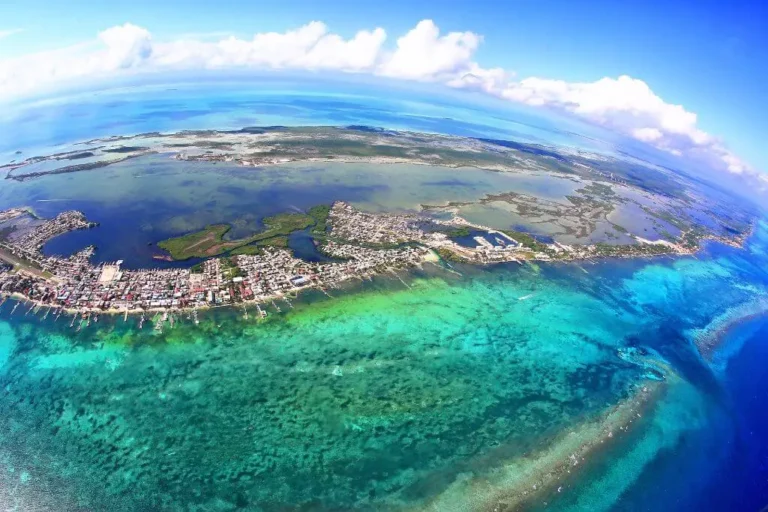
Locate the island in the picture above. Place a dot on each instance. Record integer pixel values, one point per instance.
(260, 267)
(211, 242)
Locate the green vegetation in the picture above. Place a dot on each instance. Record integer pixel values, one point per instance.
(620, 229)
(247, 250)
(691, 239)
(283, 224)
(277, 241)
(598, 189)
(195, 244)
(587, 202)
(666, 235)
(668, 217)
(320, 215)
(527, 240)
(256, 247)
(210, 241)
(449, 255)
(229, 268)
(608, 250)
(458, 232)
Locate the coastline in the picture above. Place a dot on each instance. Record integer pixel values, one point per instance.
(429, 256)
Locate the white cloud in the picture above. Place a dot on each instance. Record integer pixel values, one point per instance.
(647, 134)
(629, 106)
(128, 46)
(624, 104)
(309, 47)
(423, 54)
(9, 32)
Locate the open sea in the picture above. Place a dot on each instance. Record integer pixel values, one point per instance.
(465, 389)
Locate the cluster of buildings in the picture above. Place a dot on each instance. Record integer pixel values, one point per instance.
(64, 222)
(395, 230)
(359, 245)
(76, 285)
(27, 244)
(350, 224)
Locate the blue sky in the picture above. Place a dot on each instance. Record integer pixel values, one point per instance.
(711, 57)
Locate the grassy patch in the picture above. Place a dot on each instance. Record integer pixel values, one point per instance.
(448, 255)
(257, 247)
(194, 244)
(527, 240)
(210, 241)
(247, 250)
(458, 232)
(608, 250)
(320, 216)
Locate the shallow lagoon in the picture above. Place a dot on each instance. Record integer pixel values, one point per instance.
(382, 397)
(145, 200)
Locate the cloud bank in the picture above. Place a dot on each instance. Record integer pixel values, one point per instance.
(623, 104)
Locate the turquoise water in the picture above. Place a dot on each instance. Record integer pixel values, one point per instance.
(573, 387)
(382, 397)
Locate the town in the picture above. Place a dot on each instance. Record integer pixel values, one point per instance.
(359, 245)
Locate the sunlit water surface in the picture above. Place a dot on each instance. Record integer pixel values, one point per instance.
(385, 396)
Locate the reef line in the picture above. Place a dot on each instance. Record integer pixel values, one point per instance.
(534, 477)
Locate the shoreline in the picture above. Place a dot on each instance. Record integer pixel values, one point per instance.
(262, 301)
(431, 256)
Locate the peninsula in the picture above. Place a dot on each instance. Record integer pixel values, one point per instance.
(259, 269)
(670, 212)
